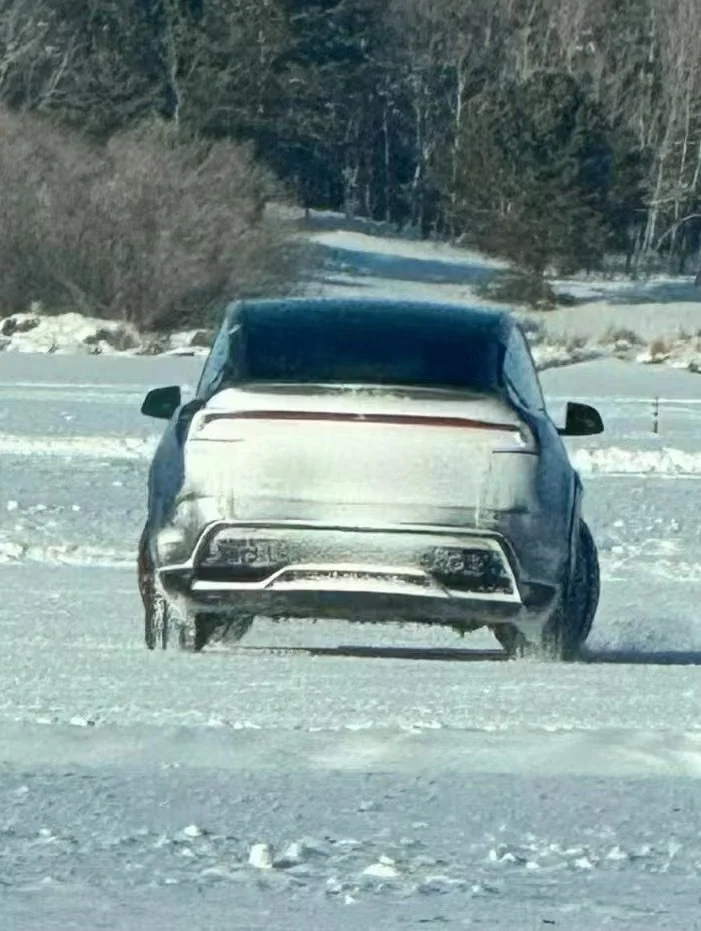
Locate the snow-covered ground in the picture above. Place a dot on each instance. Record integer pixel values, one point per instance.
(376, 778)
(367, 778)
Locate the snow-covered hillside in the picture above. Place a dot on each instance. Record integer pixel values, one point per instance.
(656, 321)
(351, 778)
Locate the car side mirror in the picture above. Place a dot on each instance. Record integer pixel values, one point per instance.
(162, 403)
(581, 420)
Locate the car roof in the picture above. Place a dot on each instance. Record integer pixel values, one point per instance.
(465, 320)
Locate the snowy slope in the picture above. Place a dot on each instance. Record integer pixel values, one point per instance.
(612, 317)
(656, 307)
(656, 320)
(327, 774)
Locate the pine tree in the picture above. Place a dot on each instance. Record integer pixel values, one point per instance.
(536, 175)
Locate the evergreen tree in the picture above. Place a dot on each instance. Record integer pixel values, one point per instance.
(536, 175)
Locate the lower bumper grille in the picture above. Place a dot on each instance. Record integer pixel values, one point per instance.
(234, 573)
(270, 556)
(469, 569)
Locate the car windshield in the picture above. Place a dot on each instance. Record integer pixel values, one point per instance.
(350, 349)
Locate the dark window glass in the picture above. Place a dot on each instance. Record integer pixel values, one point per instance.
(520, 373)
(369, 349)
(223, 363)
(217, 361)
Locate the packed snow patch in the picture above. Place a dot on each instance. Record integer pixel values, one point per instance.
(355, 242)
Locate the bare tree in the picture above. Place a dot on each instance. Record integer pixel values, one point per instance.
(222, 69)
(675, 193)
(35, 55)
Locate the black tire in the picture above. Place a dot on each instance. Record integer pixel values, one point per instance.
(157, 622)
(571, 623)
(229, 630)
(572, 620)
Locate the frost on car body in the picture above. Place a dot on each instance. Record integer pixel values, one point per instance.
(369, 461)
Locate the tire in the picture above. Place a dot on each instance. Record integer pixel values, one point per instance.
(157, 619)
(210, 627)
(572, 620)
(571, 623)
(157, 622)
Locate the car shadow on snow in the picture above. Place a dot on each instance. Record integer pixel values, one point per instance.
(623, 657)
(379, 652)
(632, 657)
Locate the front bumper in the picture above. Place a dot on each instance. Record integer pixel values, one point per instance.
(410, 573)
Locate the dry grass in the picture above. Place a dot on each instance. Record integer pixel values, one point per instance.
(576, 341)
(621, 335)
(659, 348)
(147, 229)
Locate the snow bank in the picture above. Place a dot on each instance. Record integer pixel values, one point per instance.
(76, 334)
(64, 554)
(94, 447)
(613, 460)
(548, 356)
(65, 333)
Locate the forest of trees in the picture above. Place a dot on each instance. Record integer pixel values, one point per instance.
(550, 132)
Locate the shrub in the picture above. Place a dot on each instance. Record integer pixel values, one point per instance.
(659, 349)
(535, 176)
(622, 335)
(148, 229)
